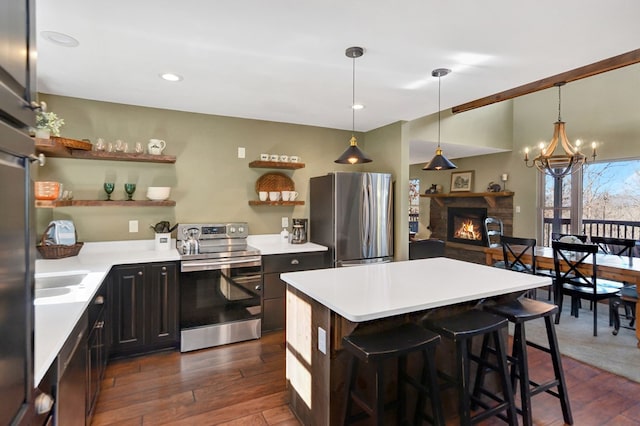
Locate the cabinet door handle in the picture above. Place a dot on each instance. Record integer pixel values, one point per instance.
(258, 288)
(164, 269)
(295, 261)
(99, 300)
(140, 273)
(99, 324)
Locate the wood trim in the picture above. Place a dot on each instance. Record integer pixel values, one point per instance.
(489, 197)
(615, 62)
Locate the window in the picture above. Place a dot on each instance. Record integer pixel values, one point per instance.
(601, 199)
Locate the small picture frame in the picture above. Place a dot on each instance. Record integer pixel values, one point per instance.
(462, 181)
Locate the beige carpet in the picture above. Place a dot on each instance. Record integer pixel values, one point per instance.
(616, 354)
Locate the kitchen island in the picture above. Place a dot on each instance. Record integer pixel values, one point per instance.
(325, 305)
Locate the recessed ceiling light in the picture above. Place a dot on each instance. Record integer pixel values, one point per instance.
(357, 106)
(171, 77)
(59, 38)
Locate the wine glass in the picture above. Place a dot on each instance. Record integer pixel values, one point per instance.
(129, 188)
(108, 188)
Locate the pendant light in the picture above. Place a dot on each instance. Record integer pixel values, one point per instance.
(439, 161)
(561, 164)
(353, 154)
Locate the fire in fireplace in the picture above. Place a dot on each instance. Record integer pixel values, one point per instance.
(466, 225)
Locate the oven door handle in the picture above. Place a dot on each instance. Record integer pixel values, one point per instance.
(213, 265)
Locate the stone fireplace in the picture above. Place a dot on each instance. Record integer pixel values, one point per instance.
(443, 209)
(465, 225)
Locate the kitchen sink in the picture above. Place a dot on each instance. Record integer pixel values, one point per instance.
(55, 280)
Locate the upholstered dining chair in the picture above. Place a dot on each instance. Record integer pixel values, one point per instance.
(577, 278)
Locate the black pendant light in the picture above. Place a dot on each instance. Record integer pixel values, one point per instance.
(439, 161)
(353, 154)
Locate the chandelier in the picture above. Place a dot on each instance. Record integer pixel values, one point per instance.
(353, 154)
(559, 165)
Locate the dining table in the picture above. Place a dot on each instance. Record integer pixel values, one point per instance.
(609, 266)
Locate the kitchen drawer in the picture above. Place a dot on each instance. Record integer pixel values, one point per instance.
(294, 262)
(273, 286)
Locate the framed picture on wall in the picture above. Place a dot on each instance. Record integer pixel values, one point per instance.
(462, 181)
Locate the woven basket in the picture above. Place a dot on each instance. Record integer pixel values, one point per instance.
(274, 182)
(55, 251)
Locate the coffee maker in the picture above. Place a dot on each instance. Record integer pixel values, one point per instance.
(299, 232)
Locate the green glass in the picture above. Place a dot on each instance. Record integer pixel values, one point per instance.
(108, 188)
(129, 188)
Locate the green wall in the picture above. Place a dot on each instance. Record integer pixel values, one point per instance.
(208, 181)
(604, 108)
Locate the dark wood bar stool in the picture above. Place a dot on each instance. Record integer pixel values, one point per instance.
(461, 329)
(376, 348)
(519, 312)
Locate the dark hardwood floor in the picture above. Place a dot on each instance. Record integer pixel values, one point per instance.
(244, 384)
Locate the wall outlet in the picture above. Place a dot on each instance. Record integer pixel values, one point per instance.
(517, 209)
(133, 226)
(322, 340)
(285, 222)
(241, 152)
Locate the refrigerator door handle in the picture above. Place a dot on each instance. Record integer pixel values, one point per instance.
(366, 215)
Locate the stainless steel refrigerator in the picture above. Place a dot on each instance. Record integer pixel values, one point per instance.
(17, 244)
(352, 214)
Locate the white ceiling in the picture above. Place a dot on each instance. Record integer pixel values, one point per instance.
(284, 60)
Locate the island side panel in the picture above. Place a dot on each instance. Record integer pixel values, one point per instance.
(307, 368)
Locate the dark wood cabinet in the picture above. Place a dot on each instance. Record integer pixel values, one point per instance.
(274, 290)
(144, 308)
(98, 344)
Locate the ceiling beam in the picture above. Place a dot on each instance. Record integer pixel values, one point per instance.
(599, 67)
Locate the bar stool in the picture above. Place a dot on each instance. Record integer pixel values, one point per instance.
(519, 312)
(398, 343)
(461, 329)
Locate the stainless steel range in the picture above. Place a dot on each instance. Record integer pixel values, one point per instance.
(220, 285)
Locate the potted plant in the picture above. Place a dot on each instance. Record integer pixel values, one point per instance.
(48, 124)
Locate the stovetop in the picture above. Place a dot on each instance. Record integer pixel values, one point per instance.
(215, 240)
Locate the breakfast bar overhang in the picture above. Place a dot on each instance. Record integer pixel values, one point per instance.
(325, 305)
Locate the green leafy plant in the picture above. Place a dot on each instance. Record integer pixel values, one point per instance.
(49, 121)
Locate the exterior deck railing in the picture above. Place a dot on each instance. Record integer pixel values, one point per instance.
(602, 228)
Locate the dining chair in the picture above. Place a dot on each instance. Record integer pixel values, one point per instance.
(513, 251)
(576, 276)
(618, 247)
(556, 236)
(493, 229)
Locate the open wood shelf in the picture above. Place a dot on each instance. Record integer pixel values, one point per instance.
(52, 148)
(275, 203)
(112, 203)
(488, 196)
(275, 165)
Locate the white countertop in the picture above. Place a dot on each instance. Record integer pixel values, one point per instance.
(369, 292)
(56, 316)
(275, 244)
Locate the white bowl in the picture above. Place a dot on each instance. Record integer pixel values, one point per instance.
(158, 193)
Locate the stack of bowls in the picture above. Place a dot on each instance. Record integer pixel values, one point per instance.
(158, 193)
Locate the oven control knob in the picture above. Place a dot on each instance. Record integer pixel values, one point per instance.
(241, 229)
(232, 229)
